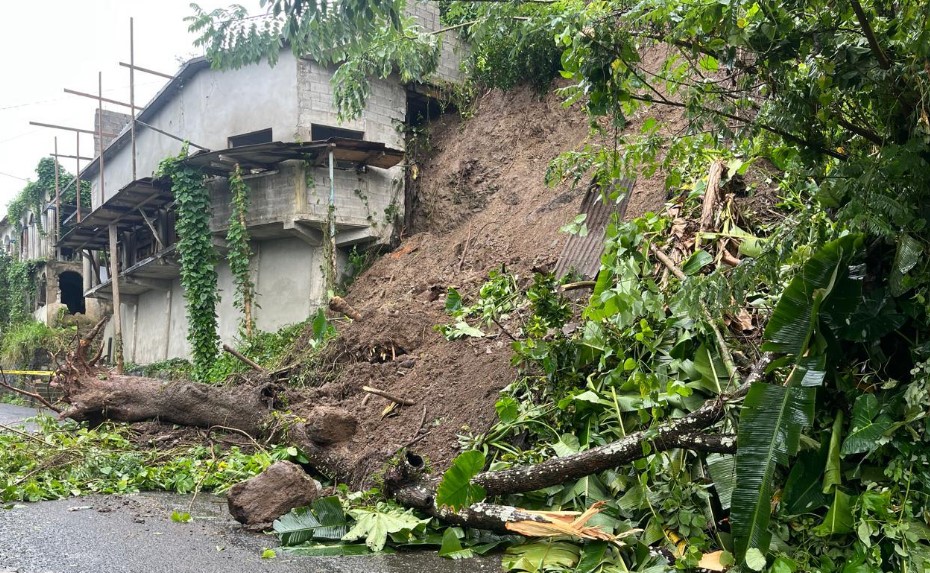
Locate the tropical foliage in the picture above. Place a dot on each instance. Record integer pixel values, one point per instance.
(830, 464)
(60, 460)
(240, 252)
(36, 194)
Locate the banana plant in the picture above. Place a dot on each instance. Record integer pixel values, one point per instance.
(773, 416)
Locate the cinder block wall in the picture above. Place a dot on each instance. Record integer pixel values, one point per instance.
(113, 124)
(454, 51)
(381, 120)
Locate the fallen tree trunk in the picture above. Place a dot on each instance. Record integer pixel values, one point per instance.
(95, 397)
(121, 398)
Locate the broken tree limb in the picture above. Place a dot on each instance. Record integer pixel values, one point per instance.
(34, 395)
(391, 397)
(683, 432)
(668, 262)
(245, 359)
(554, 471)
(497, 517)
(578, 285)
(339, 304)
(408, 489)
(710, 195)
(721, 342)
(464, 250)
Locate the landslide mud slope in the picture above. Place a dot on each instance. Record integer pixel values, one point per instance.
(481, 205)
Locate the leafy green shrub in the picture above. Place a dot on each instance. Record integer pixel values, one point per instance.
(171, 369)
(265, 348)
(509, 49)
(21, 342)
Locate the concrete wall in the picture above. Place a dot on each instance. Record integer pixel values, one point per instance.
(31, 243)
(288, 285)
(385, 112)
(287, 270)
(367, 199)
(453, 50)
(113, 124)
(6, 238)
(375, 197)
(207, 110)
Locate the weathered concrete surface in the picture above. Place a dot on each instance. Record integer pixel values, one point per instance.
(129, 534)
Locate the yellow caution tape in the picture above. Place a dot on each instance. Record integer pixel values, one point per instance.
(29, 372)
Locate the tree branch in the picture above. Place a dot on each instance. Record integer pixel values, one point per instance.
(406, 487)
(747, 121)
(866, 26)
(34, 395)
(860, 131)
(245, 359)
(391, 397)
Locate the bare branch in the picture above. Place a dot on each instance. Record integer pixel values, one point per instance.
(391, 397)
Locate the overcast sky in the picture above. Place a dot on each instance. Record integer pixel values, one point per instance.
(56, 44)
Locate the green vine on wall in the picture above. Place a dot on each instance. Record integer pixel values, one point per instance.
(17, 286)
(198, 259)
(240, 253)
(35, 194)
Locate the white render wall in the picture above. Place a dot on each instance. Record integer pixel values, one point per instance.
(288, 285)
(211, 107)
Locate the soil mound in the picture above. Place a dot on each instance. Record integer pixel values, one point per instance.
(481, 204)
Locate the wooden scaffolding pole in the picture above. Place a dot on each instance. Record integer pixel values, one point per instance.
(117, 311)
(57, 204)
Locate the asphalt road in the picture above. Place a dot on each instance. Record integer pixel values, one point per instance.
(13, 415)
(133, 534)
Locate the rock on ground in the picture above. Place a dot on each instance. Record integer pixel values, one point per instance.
(272, 493)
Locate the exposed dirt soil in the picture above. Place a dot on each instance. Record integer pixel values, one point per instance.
(481, 204)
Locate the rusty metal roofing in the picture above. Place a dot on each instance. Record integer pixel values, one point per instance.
(582, 255)
(266, 156)
(125, 208)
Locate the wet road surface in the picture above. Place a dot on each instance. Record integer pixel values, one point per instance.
(11, 415)
(134, 534)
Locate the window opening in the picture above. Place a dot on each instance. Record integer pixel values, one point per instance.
(253, 138)
(321, 132)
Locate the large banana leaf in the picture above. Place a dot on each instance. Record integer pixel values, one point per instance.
(796, 315)
(542, 556)
(772, 416)
(769, 432)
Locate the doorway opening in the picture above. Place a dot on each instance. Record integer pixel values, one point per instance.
(71, 287)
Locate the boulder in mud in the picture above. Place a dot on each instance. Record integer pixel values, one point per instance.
(272, 493)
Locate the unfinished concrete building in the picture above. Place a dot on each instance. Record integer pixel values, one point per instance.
(300, 163)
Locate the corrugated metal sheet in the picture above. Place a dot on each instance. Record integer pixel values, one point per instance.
(124, 208)
(582, 255)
